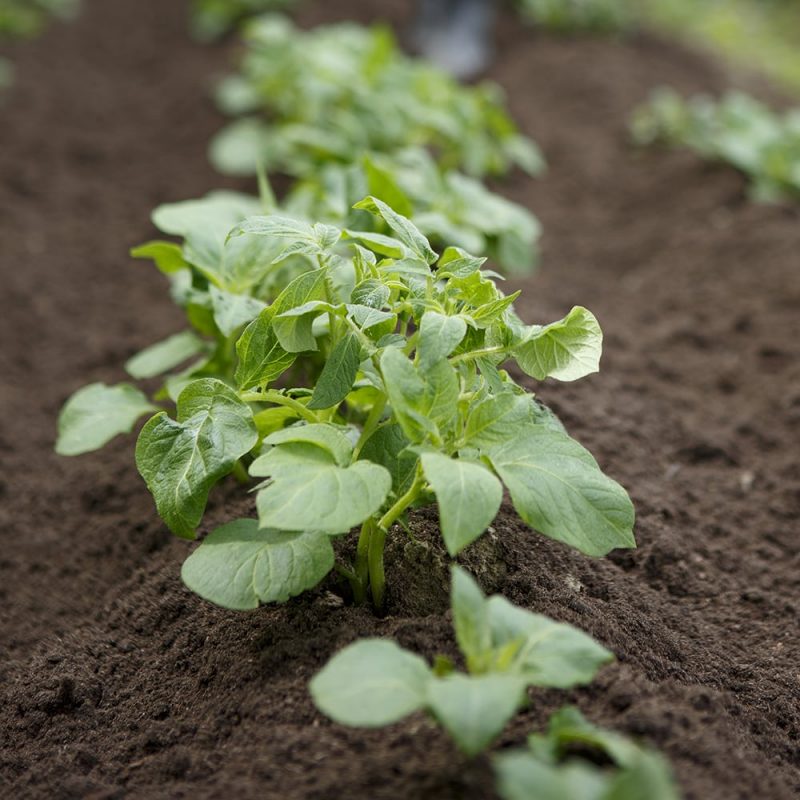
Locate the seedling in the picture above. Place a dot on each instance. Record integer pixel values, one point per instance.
(735, 130)
(507, 650)
(371, 385)
(309, 98)
(576, 760)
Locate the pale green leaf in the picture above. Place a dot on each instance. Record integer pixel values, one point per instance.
(182, 459)
(371, 683)
(469, 497)
(558, 489)
(470, 617)
(339, 373)
(403, 228)
(165, 355)
(439, 335)
(97, 413)
(330, 438)
(239, 565)
(232, 311)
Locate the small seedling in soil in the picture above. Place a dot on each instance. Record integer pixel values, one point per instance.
(735, 130)
(576, 760)
(507, 650)
(310, 98)
(373, 384)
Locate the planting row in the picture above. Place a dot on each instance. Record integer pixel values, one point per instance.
(346, 354)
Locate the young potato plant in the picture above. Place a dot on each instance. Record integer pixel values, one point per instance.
(334, 93)
(370, 385)
(447, 206)
(507, 650)
(735, 130)
(576, 760)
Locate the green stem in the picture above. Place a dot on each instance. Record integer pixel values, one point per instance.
(487, 351)
(240, 473)
(373, 419)
(362, 561)
(279, 399)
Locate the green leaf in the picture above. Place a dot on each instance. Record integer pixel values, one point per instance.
(550, 654)
(182, 459)
(165, 355)
(304, 238)
(96, 413)
(497, 419)
(371, 683)
(261, 357)
(387, 447)
(439, 335)
(168, 256)
(567, 350)
(310, 492)
(423, 404)
(468, 495)
(475, 708)
(294, 333)
(339, 373)
(384, 245)
(232, 311)
(329, 437)
(403, 228)
(558, 489)
(239, 565)
(522, 776)
(371, 293)
(470, 618)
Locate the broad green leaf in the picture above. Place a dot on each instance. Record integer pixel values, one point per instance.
(182, 459)
(470, 618)
(498, 418)
(366, 317)
(558, 489)
(232, 311)
(165, 355)
(567, 350)
(475, 708)
(295, 332)
(439, 335)
(384, 185)
(469, 497)
(303, 238)
(371, 683)
(168, 256)
(239, 565)
(371, 293)
(96, 413)
(387, 447)
(330, 438)
(423, 404)
(384, 245)
(550, 653)
(339, 373)
(458, 263)
(261, 357)
(403, 228)
(522, 776)
(310, 493)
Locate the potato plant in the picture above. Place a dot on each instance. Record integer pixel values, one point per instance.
(735, 130)
(307, 98)
(373, 383)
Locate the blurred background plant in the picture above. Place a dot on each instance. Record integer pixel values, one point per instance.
(212, 19)
(21, 19)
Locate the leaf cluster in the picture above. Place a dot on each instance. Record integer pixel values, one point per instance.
(735, 130)
(212, 19)
(507, 649)
(307, 98)
(372, 383)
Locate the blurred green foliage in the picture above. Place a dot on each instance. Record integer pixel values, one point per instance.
(21, 19)
(212, 19)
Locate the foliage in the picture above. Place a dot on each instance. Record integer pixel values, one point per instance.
(507, 649)
(212, 19)
(736, 130)
(20, 19)
(337, 92)
(580, 761)
(448, 207)
(358, 375)
(600, 16)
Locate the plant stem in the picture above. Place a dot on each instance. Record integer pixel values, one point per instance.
(240, 472)
(487, 351)
(373, 419)
(362, 561)
(278, 399)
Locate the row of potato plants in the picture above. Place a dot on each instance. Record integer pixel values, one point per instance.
(354, 372)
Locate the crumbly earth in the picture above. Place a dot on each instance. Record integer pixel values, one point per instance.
(115, 682)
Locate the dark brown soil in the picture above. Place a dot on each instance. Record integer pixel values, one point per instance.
(116, 682)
